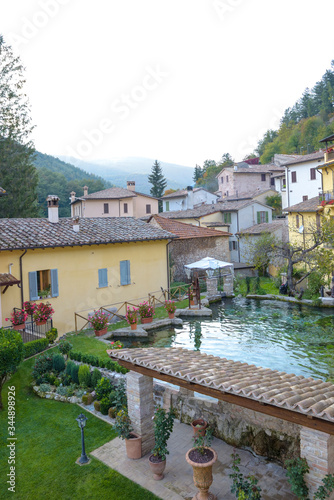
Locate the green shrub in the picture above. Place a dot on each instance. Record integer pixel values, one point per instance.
(96, 376)
(87, 399)
(105, 405)
(80, 392)
(33, 347)
(57, 382)
(61, 390)
(103, 388)
(51, 335)
(84, 376)
(69, 366)
(43, 364)
(112, 412)
(296, 468)
(75, 373)
(45, 388)
(66, 379)
(65, 346)
(97, 406)
(120, 399)
(52, 378)
(58, 363)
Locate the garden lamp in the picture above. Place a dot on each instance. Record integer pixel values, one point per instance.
(81, 419)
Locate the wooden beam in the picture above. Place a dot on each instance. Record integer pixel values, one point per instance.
(268, 409)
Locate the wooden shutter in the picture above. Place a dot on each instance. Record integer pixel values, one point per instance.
(33, 290)
(258, 215)
(103, 278)
(267, 216)
(125, 272)
(54, 283)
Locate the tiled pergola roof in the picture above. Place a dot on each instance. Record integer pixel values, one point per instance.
(223, 378)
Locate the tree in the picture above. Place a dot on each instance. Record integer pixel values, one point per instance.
(275, 201)
(198, 173)
(259, 251)
(17, 173)
(158, 182)
(11, 355)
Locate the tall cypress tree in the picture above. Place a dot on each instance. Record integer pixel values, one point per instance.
(18, 175)
(158, 182)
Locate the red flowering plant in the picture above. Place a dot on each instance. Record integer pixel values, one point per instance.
(29, 307)
(170, 306)
(43, 312)
(116, 345)
(99, 320)
(17, 317)
(131, 316)
(145, 310)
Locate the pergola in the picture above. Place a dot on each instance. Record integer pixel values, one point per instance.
(303, 401)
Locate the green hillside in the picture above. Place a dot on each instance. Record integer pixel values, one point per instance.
(58, 177)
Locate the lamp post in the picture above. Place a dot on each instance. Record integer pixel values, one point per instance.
(81, 419)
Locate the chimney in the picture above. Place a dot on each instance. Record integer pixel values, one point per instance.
(76, 226)
(72, 195)
(190, 197)
(85, 190)
(53, 205)
(131, 185)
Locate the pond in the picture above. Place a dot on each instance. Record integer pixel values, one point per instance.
(272, 334)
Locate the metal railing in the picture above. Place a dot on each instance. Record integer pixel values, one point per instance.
(31, 331)
(326, 196)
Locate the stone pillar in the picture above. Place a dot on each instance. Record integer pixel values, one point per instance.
(141, 407)
(318, 449)
(228, 284)
(211, 286)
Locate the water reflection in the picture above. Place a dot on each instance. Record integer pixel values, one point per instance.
(271, 334)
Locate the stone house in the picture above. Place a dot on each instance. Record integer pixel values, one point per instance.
(188, 198)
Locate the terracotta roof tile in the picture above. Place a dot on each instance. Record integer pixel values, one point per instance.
(265, 227)
(8, 279)
(40, 233)
(310, 205)
(303, 395)
(318, 155)
(185, 231)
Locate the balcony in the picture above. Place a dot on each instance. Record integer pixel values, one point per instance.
(326, 197)
(329, 155)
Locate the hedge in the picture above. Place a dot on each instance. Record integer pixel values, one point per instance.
(35, 346)
(92, 360)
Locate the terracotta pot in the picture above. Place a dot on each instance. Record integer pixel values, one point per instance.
(146, 320)
(171, 315)
(133, 326)
(38, 323)
(157, 468)
(203, 476)
(19, 327)
(199, 427)
(98, 333)
(133, 446)
(192, 302)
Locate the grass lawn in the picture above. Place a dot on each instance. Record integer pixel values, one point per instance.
(49, 443)
(267, 286)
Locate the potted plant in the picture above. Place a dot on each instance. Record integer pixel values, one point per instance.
(116, 345)
(163, 426)
(170, 307)
(18, 318)
(42, 313)
(191, 295)
(132, 317)
(201, 457)
(99, 321)
(146, 312)
(29, 307)
(124, 430)
(199, 426)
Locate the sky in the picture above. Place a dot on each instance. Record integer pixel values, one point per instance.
(180, 81)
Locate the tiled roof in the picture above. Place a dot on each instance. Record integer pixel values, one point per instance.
(177, 194)
(319, 155)
(254, 169)
(247, 196)
(40, 233)
(314, 398)
(310, 205)
(7, 279)
(110, 194)
(204, 209)
(185, 231)
(265, 227)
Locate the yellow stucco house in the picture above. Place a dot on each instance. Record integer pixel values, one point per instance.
(114, 202)
(84, 264)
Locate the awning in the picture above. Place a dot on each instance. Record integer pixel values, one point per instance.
(208, 263)
(7, 280)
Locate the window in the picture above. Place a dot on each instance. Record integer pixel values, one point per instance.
(148, 209)
(272, 181)
(312, 174)
(297, 221)
(125, 272)
(105, 208)
(263, 177)
(227, 217)
(43, 284)
(293, 176)
(103, 277)
(284, 183)
(233, 245)
(227, 178)
(167, 206)
(305, 198)
(125, 208)
(222, 180)
(262, 217)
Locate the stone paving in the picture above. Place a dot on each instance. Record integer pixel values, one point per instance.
(178, 482)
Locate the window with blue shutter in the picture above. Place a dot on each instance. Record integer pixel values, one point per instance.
(33, 289)
(103, 278)
(125, 272)
(54, 283)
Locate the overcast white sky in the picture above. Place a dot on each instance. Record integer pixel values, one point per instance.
(177, 80)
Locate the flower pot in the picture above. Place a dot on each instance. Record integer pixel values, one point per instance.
(133, 326)
(192, 302)
(133, 446)
(19, 327)
(146, 320)
(43, 322)
(171, 315)
(202, 475)
(199, 427)
(98, 333)
(157, 467)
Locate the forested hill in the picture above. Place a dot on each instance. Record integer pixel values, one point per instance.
(310, 119)
(58, 177)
